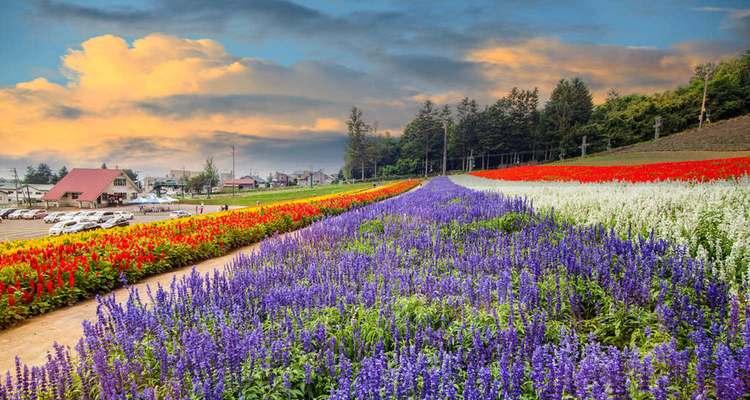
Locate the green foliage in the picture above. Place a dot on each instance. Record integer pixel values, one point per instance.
(709, 235)
(373, 226)
(568, 109)
(42, 174)
(508, 222)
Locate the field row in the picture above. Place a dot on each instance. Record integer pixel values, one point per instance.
(695, 171)
(441, 293)
(711, 219)
(42, 274)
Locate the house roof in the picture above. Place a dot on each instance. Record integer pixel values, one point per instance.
(241, 181)
(89, 182)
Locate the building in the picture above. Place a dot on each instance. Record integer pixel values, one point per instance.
(26, 192)
(6, 194)
(259, 182)
(279, 179)
(317, 177)
(92, 188)
(240, 184)
(167, 186)
(181, 174)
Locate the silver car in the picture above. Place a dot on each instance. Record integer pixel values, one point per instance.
(58, 228)
(81, 226)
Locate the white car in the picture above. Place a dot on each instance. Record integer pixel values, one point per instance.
(53, 217)
(18, 213)
(71, 216)
(125, 214)
(179, 214)
(115, 222)
(84, 216)
(58, 228)
(99, 216)
(80, 226)
(35, 214)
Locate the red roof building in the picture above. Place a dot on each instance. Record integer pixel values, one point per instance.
(92, 187)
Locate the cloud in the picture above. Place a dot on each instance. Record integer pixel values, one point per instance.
(541, 62)
(738, 19)
(321, 149)
(147, 104)
(185, 106)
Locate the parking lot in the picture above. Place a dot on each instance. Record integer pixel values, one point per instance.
(27, 229)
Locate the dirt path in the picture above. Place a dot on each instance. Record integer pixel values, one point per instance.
(33, 338)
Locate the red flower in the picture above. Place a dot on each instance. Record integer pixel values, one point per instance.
(706, 170)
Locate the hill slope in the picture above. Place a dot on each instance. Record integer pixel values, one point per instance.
(723, 139)
(728, 135)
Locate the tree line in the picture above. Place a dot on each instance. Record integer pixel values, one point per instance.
(484, 136)
(43, 174)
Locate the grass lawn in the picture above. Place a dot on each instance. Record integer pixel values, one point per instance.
(274, 196)
(648, 157)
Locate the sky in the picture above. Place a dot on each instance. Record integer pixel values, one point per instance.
(164, 84)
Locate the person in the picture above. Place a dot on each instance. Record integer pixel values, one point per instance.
(201, 208)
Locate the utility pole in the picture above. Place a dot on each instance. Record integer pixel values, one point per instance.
(707, 71)
(15, 180)
(583, 146)
(445, 145)
(657, 126)
(234, 184)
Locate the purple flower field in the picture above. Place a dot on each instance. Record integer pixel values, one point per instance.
(440, 293)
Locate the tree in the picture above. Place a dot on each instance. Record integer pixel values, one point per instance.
(42, 174)
(210, 176)
(423, 136)
(104, 165)
(131, 174)
(464, 139)
(60, 174)
(358, 146)
(569, 107)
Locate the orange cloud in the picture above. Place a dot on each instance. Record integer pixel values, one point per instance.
(109, 81)
(541, 62)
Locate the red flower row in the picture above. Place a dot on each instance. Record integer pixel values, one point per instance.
(701, 171)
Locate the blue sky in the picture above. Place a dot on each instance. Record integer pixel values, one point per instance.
(385, 56)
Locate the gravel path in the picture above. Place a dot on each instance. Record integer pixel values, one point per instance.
(32, 339)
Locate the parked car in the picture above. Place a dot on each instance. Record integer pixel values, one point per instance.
(53, 217)
(114, 222)
(58, 228)
(18, 213)
(7, 211)
(84, 216)
(70, 216)
(125, 214)
(179, 214)
(34, 214)
(81, 226)
(99, 216)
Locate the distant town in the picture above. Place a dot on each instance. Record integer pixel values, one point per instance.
(102, 187)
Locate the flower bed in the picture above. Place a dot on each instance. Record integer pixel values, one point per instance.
(442, 293)
(706, 170)
(712, 219)
(39, 275)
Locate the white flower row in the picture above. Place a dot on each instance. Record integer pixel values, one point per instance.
(687, 213)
